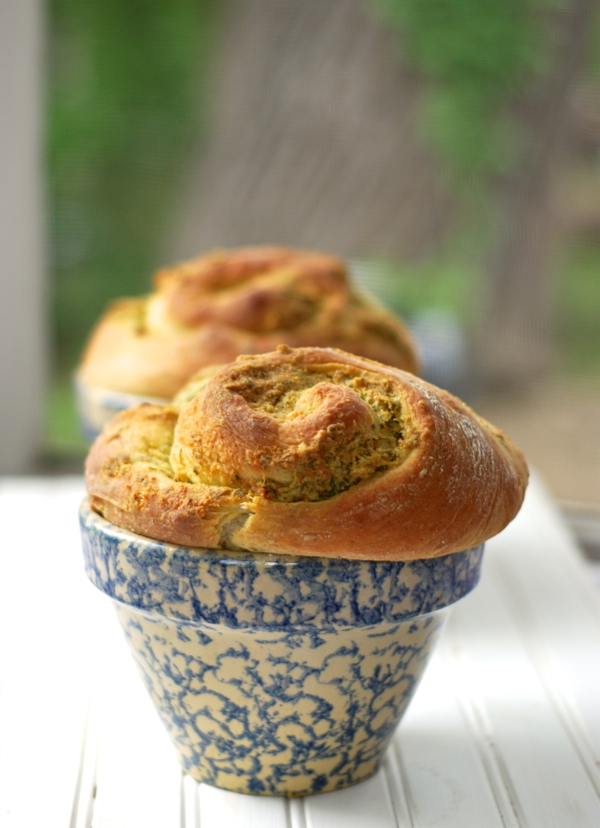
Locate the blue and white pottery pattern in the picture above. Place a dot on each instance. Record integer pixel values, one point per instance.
(96, 406)
(273, 674)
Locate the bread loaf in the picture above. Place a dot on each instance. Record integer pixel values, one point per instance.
(310, 451)
(245, 301)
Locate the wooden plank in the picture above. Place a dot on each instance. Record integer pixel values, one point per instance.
(44, 650)
(225, 809)
(297, 815)
(41, 748)
(545, 779)
(398, 787)
(504, 730)
(549, 594)
(191, 803)
(448, 777)
(368, 803)
(84, 806)
(138, 778)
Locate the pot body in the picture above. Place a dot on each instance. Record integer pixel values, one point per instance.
(275, 675)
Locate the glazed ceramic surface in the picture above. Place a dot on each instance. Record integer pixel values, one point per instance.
(273, 674)
(96, 406)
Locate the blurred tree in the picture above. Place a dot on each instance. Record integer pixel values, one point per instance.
(515, 333)
(324, 133)
(311, 137)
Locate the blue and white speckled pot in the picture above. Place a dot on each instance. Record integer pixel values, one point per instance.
(96, 406)
(275, 675)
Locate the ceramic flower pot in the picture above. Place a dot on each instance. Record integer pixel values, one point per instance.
(275, 675)
(96, 406)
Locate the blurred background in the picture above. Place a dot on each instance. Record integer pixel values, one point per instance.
(449, 149)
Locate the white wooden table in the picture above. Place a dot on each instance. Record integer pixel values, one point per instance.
(504, 731)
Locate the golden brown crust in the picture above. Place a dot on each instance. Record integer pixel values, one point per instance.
(130, 482)
(226, 303)
(310, 452)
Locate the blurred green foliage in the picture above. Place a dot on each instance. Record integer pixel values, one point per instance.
(474, 53)
(442, 284)
(410, 287)
(124, 109)
(577, 300)
(126, 102)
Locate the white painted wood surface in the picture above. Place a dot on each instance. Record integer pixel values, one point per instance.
(504, 730)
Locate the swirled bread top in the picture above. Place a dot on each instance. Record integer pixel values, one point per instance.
(230, 302)
(309, 452)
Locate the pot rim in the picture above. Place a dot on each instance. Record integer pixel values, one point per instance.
(267, 591)
(112, 398)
